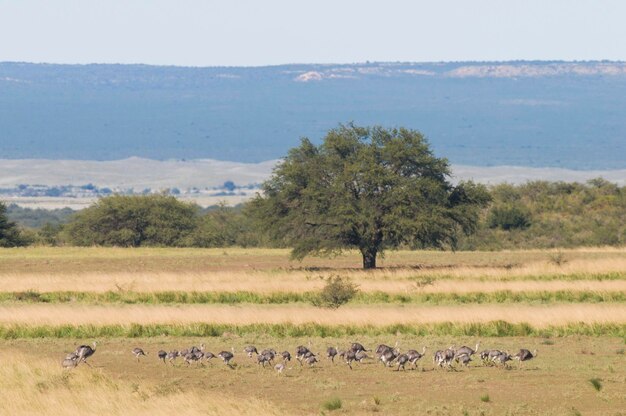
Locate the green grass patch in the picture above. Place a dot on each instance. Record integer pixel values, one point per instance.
(490, 329)
(277, 298)
(485, 398)
(596, 383)
(332, 404)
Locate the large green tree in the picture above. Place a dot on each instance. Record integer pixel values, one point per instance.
(10, 235)
(133, 221)
(366, 188)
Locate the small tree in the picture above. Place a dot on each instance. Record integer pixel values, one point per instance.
(366, 188)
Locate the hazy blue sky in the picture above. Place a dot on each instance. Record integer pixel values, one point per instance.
(248, 32)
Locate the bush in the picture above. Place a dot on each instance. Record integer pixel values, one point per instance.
(509, 217)
(336, 292)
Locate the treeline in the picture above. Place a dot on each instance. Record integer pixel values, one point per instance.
(533, 215)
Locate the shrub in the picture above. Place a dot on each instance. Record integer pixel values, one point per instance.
(336, 292)
(509, 217)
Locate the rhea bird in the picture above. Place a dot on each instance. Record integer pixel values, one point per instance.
(524, 355)
(356, 347)
(250, 349)
(389, 356)
(85, 351)
(331, 352)
(415, 356)
(138, 352)
(171, 356)
(349, 356)
(381, 349)
(279, 368)
(162, 355)
(262, 359)
(467, 350)
(463, 359)
(502, 358)
(70, 361)
(311, 360)
(488, 356)
(286, 356)
(269, 353)
(301, 351)
(444, 358)
(226, 356)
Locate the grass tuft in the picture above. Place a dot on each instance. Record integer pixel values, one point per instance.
(485, 398)
(596, 383)
(332, 404)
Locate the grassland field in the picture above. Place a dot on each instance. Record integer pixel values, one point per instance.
(568, 304)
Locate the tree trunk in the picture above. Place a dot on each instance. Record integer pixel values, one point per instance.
(369, 258)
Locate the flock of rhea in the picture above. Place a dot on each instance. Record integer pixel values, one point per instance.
(388, 356)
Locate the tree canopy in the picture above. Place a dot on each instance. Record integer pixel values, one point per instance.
(10, 235)
(133, 221)
(366, 188)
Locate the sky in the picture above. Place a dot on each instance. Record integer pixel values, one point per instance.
(272, 32)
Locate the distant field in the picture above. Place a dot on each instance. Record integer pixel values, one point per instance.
(569, 304)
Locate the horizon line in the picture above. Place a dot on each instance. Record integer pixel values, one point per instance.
(367, 62)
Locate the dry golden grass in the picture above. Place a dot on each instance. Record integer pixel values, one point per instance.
(379, 315)
(61, 260)
(264, 270)
(34, 386)
(390, 281)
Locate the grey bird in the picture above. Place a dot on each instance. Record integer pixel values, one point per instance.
(279, 367)
(331, 352)
(356, 347)
(171, 356)
(138, 352)
(70, 361)
(250, 349)
(415, 356)
(301, 351)
(85, 351)
(402, 360)
(226, 356)
(524, 355)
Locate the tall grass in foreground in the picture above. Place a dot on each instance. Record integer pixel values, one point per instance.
(279, 298)
(31, 386)
(490, 329)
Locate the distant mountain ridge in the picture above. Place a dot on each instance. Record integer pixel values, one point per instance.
(537, 114)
